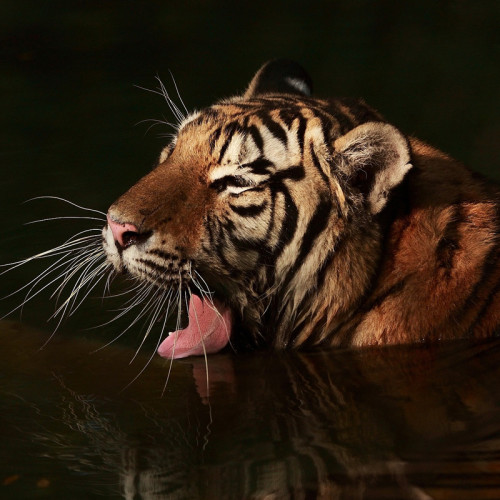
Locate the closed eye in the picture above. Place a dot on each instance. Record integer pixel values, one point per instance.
(232, 183)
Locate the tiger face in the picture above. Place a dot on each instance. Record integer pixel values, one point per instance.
(266, 217)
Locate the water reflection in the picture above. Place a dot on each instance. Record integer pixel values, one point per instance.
(412, 422)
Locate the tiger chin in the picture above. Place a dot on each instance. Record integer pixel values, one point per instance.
(290, 221)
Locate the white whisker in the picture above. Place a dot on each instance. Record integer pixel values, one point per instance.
(78, 285)
(202, 342)
(83, 257)
(145, 309)
(161, 302)
(204, 282)
(75, 293)
(107, 284)
(155, 122)
(66, 247)
(150, 358)
(137, 299)
(60, 218)
(67, 274)
(53, 267)
(121, 294)
(173, 107)
(100, 270)
(178, 93)
(66, 201)
(66, 265)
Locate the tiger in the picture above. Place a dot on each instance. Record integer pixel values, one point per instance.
(283, 220)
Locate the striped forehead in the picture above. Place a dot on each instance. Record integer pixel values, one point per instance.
(238, 134)
(279, 114)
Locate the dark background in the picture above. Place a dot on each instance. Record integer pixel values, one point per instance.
(68, 115)
(70, 107)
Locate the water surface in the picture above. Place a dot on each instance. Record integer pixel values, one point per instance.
(412, 422)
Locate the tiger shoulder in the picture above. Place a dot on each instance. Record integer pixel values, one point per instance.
(295, 221)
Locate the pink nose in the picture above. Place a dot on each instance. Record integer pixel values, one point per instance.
(124, 234)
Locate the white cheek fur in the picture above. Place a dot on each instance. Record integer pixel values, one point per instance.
(110, 248)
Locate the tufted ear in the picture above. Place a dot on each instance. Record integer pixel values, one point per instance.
(375, 157)
(280, 76)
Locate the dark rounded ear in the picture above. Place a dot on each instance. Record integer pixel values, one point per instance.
(375, 157)
(280, 76)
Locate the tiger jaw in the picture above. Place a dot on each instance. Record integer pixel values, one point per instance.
(210, 321)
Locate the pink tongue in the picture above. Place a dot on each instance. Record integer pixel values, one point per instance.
(208, 331)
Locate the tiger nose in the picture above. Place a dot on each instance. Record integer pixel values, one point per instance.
(126, 234)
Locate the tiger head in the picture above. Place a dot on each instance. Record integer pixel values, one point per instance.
(262, 215)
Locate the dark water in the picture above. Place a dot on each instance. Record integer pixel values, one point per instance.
(405, 422)
(414, 422)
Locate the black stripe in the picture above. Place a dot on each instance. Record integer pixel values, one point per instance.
(317, 164)
(377, 301)
(229, 131)
(316, 332)
(249, 210)
(327, 122)
(221, 245)
(277, 101)
(488, 300)
(317, 224)
(208, 114)
(484, 309)
(241, 106)
(345, 121)
(286, 231)
(490, 263)
(448, 243)
(258, 166)
(257, 245)
(208, 225)
(163, 255)
(223, 183)
(289, 223)
(161, 279)
(257, 138)
(273, 210)
(153, 265)
(227, 225)
(199, 120)
(223, 150)
(295, 173)
(227, 231)
(325, 265)
(358, 315)
(359, 110)
(301, 132)
(297, 329)
(207, 249)
(274, 128)
(214, 136)
(288, 116)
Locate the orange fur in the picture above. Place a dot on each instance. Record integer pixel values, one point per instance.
(319, 224)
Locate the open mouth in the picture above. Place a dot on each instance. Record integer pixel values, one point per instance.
(208, 331)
